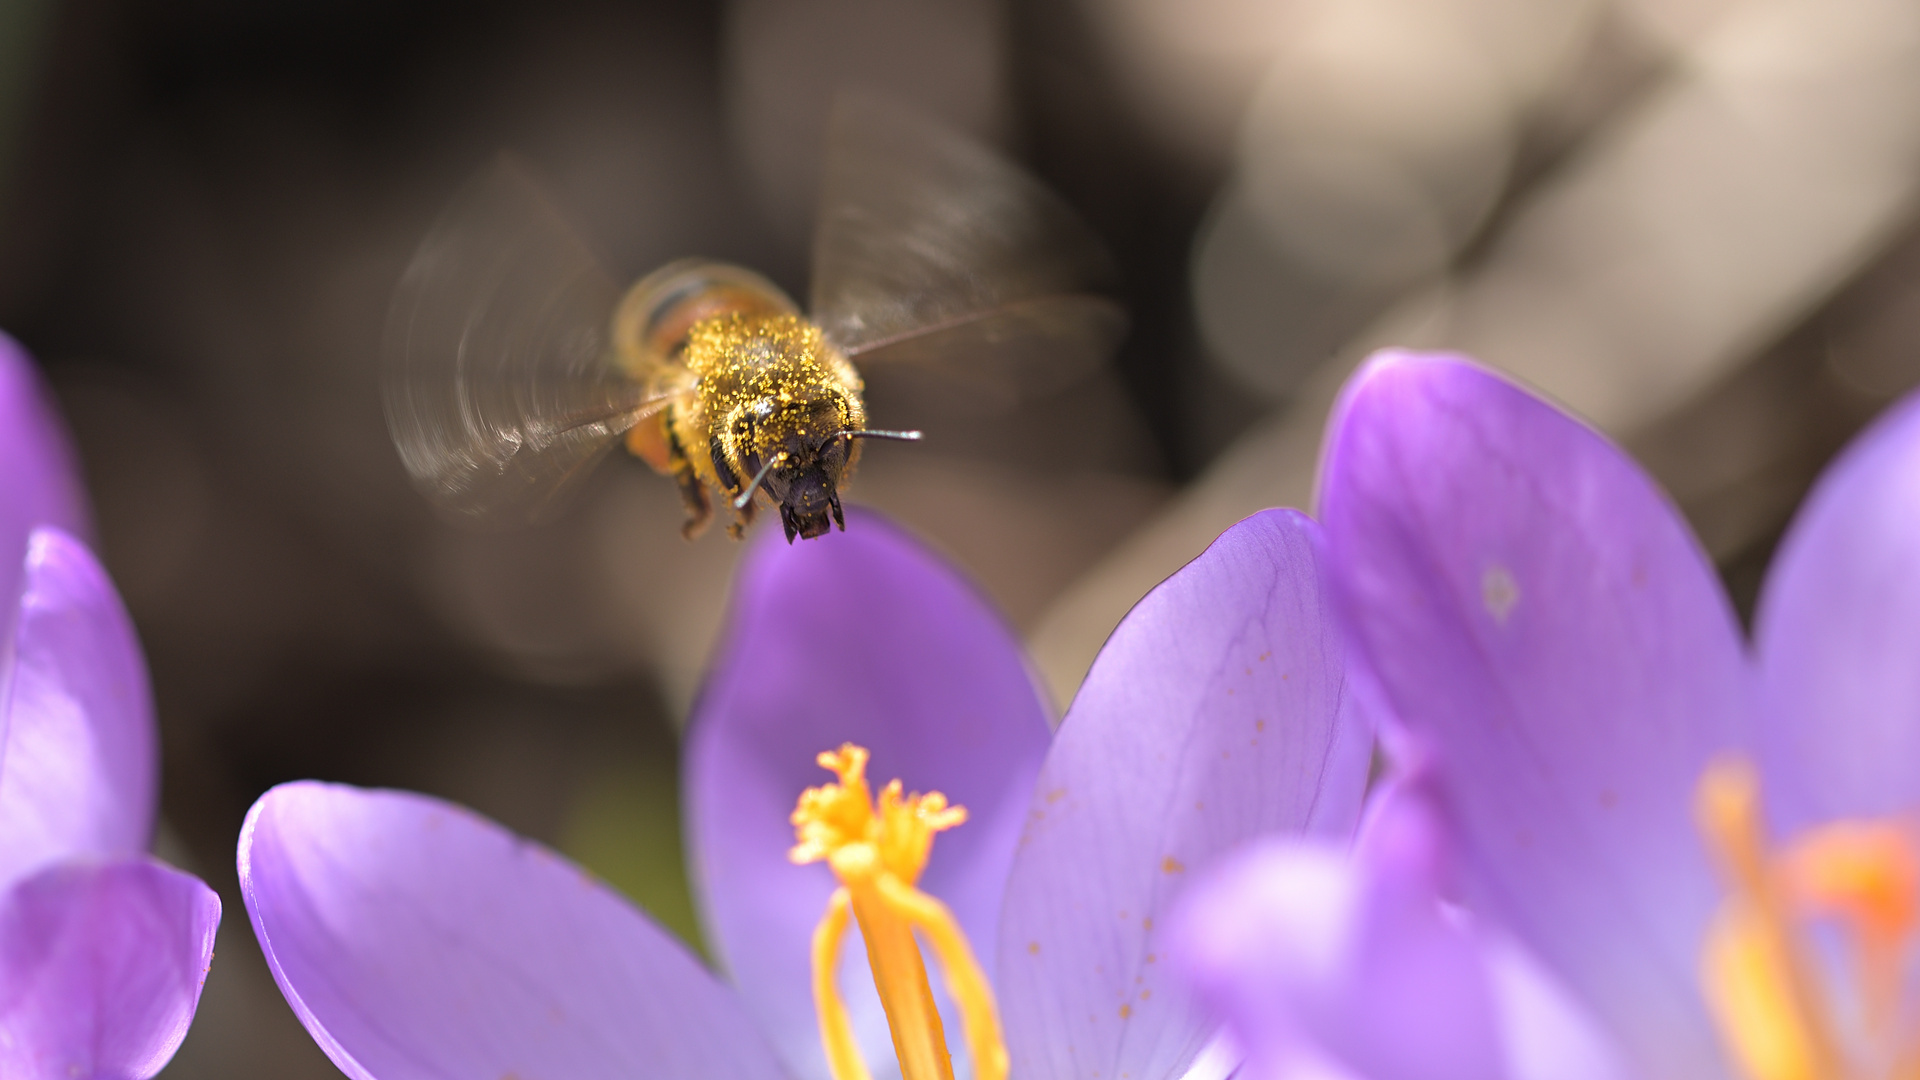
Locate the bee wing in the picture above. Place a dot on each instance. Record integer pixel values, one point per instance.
(500, 386)
(1022, 350)
(932, 249)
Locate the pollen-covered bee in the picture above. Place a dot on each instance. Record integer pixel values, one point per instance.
(513, 363)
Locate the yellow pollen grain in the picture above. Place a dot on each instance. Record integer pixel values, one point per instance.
(1499, 592)
(1171, 865)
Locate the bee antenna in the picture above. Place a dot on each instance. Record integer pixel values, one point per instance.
(747, 495)
(896, 436)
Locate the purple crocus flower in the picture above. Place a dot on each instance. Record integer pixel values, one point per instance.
(416, 940)
(41, 484)
(1596, 743)
(103, 950)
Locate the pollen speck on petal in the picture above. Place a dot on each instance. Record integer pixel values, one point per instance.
(1499, 592)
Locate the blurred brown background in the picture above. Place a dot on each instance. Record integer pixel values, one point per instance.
(1691, 220)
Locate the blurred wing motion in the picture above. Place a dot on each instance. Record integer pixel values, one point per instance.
(933, 251)
(500, 386)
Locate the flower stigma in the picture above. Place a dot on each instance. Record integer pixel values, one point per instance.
(1777, 1015)
(877, 851)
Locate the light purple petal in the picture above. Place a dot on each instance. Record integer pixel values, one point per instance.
(39, 482)
(419, 941)
(101, 966)
(1547, 1033)
(78, 766)
(864, 637)
(1349, 961)
(1217, 712)
(1304, 948)
(1526, 601)
(1838, 634)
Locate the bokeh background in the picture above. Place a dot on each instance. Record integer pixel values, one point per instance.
(1690, 220)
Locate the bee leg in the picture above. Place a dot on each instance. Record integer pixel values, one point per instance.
(693, 496)
(839, 519)
(786, 522)
(693, 493)
(742, 518)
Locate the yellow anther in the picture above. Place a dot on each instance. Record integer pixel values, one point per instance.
(1770, 1011)
(877, 852)
(1863, 870)
(1752, 995)
(836, 1033)
(1775, 1014)
(1727, 805)
(1865, 874)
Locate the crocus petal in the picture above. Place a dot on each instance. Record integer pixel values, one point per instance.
(101, 966)
(1304, 948)
(41, 485)
(1347, 961)
(78, 766)
(1524, 598)
(1547, 1032)
(417, 940)
(1218, 711)
(1838, 634)
(863, 637)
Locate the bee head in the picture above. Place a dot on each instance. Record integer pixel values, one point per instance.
(808, 501)
(805, 479)
(798, 454)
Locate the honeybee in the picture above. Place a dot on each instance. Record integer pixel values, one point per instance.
(513, 364)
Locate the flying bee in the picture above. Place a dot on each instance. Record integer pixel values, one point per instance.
(757, 399)
(513, 364)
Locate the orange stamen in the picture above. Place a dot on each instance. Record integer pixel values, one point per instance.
(877, 850)
(1775, 1013)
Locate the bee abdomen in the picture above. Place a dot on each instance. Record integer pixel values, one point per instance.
(651, 324)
